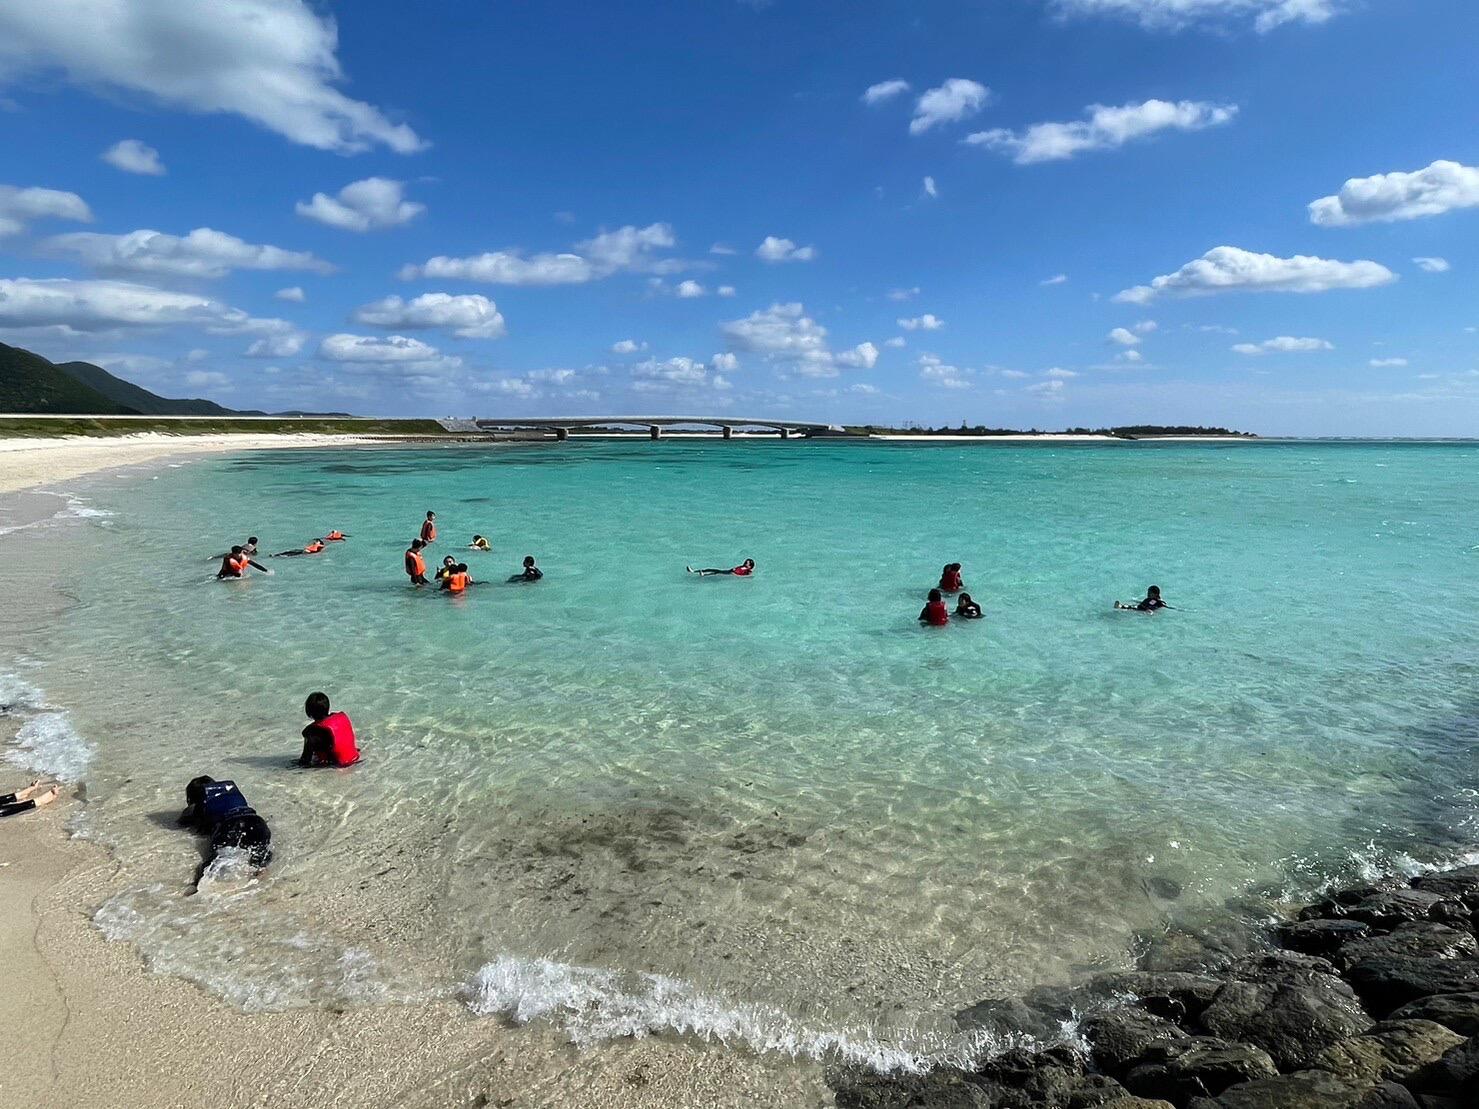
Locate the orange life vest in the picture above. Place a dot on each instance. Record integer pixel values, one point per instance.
(428, 532)
(343, 750)
(334, 536)
(415, 564)
(936, 615)
(313, 548)
(238, 565)
(456, 583)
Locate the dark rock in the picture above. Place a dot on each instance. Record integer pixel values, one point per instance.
(1119, 1037)
(1461, 883)
(1458, 1011)
(1022, 1079)
(1293, 1018)
(1387, 910)
(1199, 1066)
(1335, 904)
(1281, 967)
(1456, 1074)
(1416, 939)
(1009, 1016)
(946, 1088)
(1094, 1090)
(1130, 1101)
(1321, 937)
(1390, 981)
(1313, 1089)
(1174, 995)
(1391, 1051)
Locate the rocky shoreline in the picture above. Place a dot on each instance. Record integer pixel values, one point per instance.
(1368, 1000)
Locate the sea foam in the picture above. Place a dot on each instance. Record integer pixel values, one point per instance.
(594, 1005)
(48, 743)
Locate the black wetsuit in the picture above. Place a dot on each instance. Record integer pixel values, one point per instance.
(9, 806)
(533, 573)
(238, 826)
(1150, 604)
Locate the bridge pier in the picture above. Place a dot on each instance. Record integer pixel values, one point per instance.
(562, 433)
(727, 431)
(785, 433)
(655, 431)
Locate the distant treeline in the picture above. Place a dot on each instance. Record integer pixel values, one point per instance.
(1133, 431)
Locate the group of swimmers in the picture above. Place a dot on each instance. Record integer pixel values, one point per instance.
(936, 614)
(454, 576)
(243, 556)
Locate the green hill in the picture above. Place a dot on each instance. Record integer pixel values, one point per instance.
(29, 383)
(136, 398)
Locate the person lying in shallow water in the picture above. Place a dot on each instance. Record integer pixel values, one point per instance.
(743, 570)
(218, 809)
(1152, 602)
(32, 797)
(313, 548)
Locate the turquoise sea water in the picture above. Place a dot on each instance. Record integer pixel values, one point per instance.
(773, 808)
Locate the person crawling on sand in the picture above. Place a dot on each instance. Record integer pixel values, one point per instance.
(218, 809)
(530, 572)
(743, 570)
(235, 563)
(1152, 602)
(458, 580)
(32, 797)
(329, 739)
(313, 548)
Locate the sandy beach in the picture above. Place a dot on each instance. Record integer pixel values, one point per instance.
(84, 1022)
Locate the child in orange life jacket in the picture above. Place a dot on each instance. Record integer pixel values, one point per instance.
(458, 579)
(935, 614)
(329, 740)
(313, 548)
(234, 565)
(950, 580)
(416, 564)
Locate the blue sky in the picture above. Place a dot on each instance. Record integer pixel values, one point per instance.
(1259, 213)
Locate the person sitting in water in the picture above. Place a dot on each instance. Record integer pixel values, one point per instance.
(219, 810)
(234, 564)
(446, 569)
(743, 570)
(429, 530)
(416, 564)
(934, 613)
(530, 572)
(967, 609)
(458, 579)
(1152, 602)
(329, 740)
(313, 548)
(32, 797)
(479, 544)
(335, 537)
(950, 581)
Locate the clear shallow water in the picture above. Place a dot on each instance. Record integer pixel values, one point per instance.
(773, 809)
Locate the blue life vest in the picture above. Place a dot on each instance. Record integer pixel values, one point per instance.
(223, 799)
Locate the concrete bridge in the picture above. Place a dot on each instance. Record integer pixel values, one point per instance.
(561, 427)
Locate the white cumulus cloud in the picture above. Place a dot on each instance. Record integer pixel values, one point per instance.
(884, 91)
(277, 346)
(19, 207)
(1124, 337)
(292, 293)
(785, 333)
(687, 290)
(958, 98)
(1105, 129)
(1388, 197)
(1227, 269)
(937, 372)
(393, 350)
(72, 307)
(273, 62)
(468, 316)
(627, 249)
(1056, 279)
(1432, 265)
(133, 156)
(1381, 363)
(627, 346)
(369, 205)
(1284, 344)
(927, 322)
(931, 190)
(775, 249)
(203, 252)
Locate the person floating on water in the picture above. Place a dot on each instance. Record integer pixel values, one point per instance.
(329, 740)
(234, 564)
(743, 570)
(335, 537)
(1152, 602)
(429, 530)
(967, 609)
(315, 547)
(219, 810)
(479, 543)
(457, 580)
(934, 613)
(950, 581)
(530, 572)
(32, 797)
(416, 564)
(446, 569)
